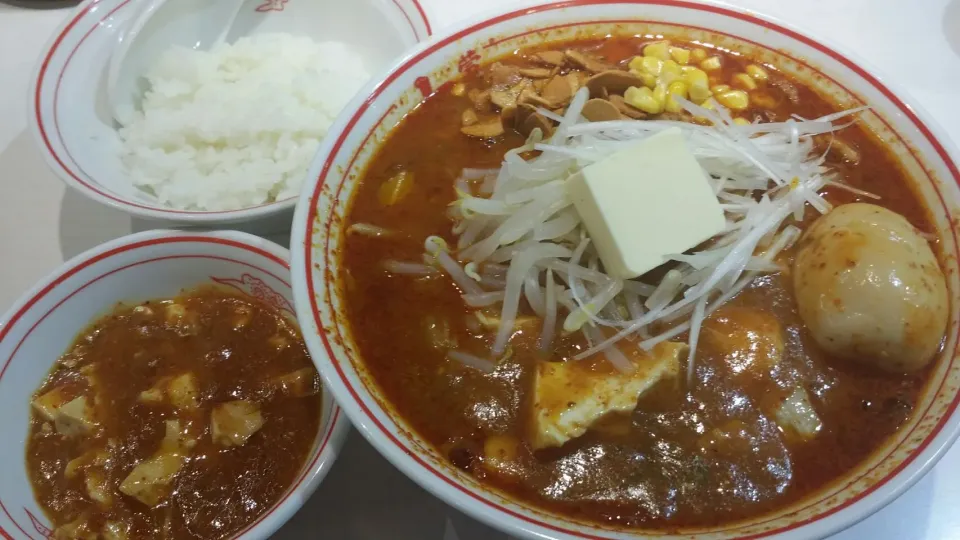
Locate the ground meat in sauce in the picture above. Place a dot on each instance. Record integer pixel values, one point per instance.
(145, 368)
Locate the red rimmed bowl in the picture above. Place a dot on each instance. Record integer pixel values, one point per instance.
(320, 220)
(157, 264)
(70, 115)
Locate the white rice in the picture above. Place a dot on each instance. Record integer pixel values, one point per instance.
(236, 126)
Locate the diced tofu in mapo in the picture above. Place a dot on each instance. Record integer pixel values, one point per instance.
(120, 444)
(74, 418)
(149, 482)
(300, 383)
(89, 458)
(97, 486)
(115, 530)
(78, 529)
(232, 423)
(48, 404)
(181, 392)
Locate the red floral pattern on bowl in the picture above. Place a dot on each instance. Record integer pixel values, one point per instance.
(256, 288)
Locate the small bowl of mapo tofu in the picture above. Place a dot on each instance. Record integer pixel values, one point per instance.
(158, 386)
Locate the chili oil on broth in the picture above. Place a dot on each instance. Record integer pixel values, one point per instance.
(704, 459)
(253, 395)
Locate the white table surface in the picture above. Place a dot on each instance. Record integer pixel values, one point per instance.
(915, 43)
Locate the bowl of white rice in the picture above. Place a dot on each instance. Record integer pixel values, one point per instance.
(218, 136)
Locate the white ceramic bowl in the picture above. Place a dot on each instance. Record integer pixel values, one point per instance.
(72, 123)
(43, 324)
(319, 222)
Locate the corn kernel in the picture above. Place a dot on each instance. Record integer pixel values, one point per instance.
(764, 100)
(675, 89)
(660, 94)
(710, 64)
(695, 76)
(710, 106)
(649, 79)
(660, 50)
(757, 72)
(680, 55)
(698, 55)
(736, 100)
(396, 188)
(642, 98)
(458, 89)
(670, 72)
(636, 63)
(651, 64)
(719, 88)
(699, 92)
(740, 121)
(742, 80)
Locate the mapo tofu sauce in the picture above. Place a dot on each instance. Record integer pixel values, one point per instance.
(771, 418)
(180, 418)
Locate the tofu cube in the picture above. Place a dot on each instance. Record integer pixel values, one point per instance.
(569, 397)
(180, 390)
(78, 529)
(183, 320)
(243, 315)
(232, 423)
(89, 458)
(300, 383)
(116, 530)
(797, 416)
(150, 480)
(74, 418)
(183, 391)
(153, 395)
(90, 373)
(647, 201)
(97, 487)
(48, 404)
(278, 341)
(175, 312)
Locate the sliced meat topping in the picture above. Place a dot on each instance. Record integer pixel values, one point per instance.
(548, 58)
(485, 129)
(587, 62)
(600, 110)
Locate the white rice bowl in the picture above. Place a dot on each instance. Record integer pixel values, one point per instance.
(236, 126)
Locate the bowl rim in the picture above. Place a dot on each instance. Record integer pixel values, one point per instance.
(59, 163)
(333, 433)
(407, 457)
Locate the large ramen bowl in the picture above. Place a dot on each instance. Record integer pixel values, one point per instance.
(158, 264)
(319, 225)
